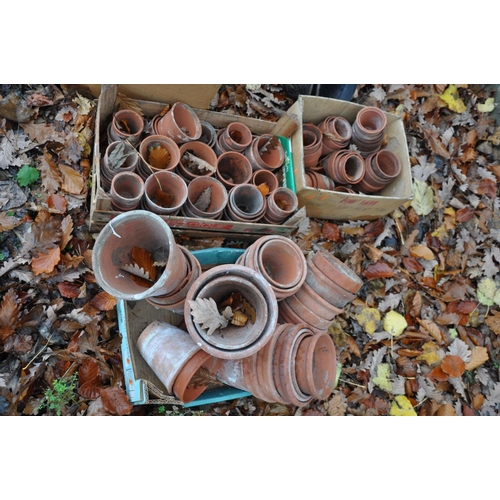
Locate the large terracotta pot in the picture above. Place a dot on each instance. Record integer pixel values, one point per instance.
(180, 123)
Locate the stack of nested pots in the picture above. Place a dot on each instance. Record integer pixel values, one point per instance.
(175, 359)
(381, 169)
(245, 204)
(128, 162)
(160, 152)
(126, 191)
(344, 167)
(312, 138)
(235, 137)
(280, 261)
(223, 284)
(126, 125)
(207, 198)
(265, 152)
(329, 286)
(368, 130)
(317, 180)
(188, 167)
(165, 193)
(233, 169)
(294, 367)
(337, 133)
(281, 204)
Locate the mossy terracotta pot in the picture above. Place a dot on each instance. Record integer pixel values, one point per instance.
(126, 124)
(126, 192)
(180, 123)
(186, 168)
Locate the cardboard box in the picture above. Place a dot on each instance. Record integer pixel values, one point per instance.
(326, 204)
(141, 384)
(101, 213)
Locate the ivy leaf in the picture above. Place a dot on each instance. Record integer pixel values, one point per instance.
(27, 176)
(206, 314)
(423, 201)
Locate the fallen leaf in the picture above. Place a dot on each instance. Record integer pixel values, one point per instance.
(432, 328)
(494, 322)
(207, 315)
(369, 319)
(430, 354)
(464, 214)
(446, 410)
(382, 378)
(488, 187)
(423, 200)
(158, 157)
(8, 222)
(488, 106)
(394, 323)
(116, 401)
(422, 252)
(263, 188)
(89, 383)
(57, 204)
(488, 292)
(377, 271)
(103, 301)
(46, 262)
(204, 200)
(454, 366)
(401, 407)
(412, 265)
(73, 182)
(9, 312)
(67, 229)
(335, 407)
(69, 290)
(331, 232)
(478, 357)
(453, 100)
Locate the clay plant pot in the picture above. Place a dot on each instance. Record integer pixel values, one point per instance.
(246, 203)
(183, 387)
(344, 167)
(208, 133)
(312, 139)
(307, 315)
(337, 133)
(112, 254)
(229, 336)
(126, 124)
(264, 157)
(173, 193)
(281, 204)
(318, 180)
(200, 150)
(337, 271)
(266, 177)
(381, 169)
(130, 164)
(235, 137)
(166, 158)
(180, 123)
(290, 316)
(368, 130)
(344, 189)
(316, 303)
(316, 366)
(126, 192)
(233, 169)
(166, 349)
(231, 373)
(218, 198)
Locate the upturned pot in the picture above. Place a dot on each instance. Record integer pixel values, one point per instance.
(312, 139)
(307, 315)
(290, 316)
(126, 192)
(233, 169)
(215, 198)
(165, 193)
(267, 178)
(112, 255)
(235, 137)
(344, 167)
(188, 168)
(245, 204)
(180, 123)
(166, 349)
(227, 337)
(281, 204)
(337, 133)
(126, 124)
(166, 155)
(264, 154)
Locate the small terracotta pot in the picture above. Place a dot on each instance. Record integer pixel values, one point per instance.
(235, 137)
(233, 168)
(265, 177)
(172, 185)
(126, 124)
(200, 150)
(208, 133)
(129, 165)
(344, 167)
(153, 141)
(316, 303)
(318, 180)
(337, 133)
(166, 349)
(180, 123)
(281, 204)
(246, 203)
(218, 198)
(307, 315)
(127, 190)
(262, 158)
(344, 189)
(368, 130)
(183, 388)
(312, 144)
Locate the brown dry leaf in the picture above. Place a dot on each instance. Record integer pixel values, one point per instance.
(373, 229)
(438, 374)
(158, 157)
(478, 357)
(422, 252)
(141, 267)
(464, 214)
(432, 328)
(448, 319)
(73, 182)
(163, 199)
(412, 265)
(374, 254)
(239, 318)
(43, 132)
(69, 290)
(416, 305)
(196, 164)
(494, 322)
(454, 366)
(67, 229)
(353, 347)
(57, 204)
(9, 312)
(353, 231)
(116, 401)
(435, 142)
(430, 354)
(125, 102)
(46, 262)
(335, 407)
(455, 291)
(331, 232)
(8, 222)
(488, 188)
(103, 301)
(446, 410)
(51, 176)
(377, 271)
(263, 188)
(88, 379)
(283, 204)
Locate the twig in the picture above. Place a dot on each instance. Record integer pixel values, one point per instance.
(148, 165)
(39, 352)
(352, 383)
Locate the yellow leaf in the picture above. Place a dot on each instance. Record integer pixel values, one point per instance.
(382, 378)
(430, 354)
(452, 99)
(487, 107)
(369, 319)
(401, 407)
(449, 211)
(394, 323)
(478, 357)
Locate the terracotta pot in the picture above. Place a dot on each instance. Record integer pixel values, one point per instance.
(318, 180)
(312, 138)
(129, 165)
(127, 190)
(337, 133)
(268, 310)
(246, 203)
(337, 271)
(262, 158)
(235, 137)
(307, 315)
(180, 123)
(218, 198)
(344, 167)
(316, 303)
(208, 133)
(171, 155)
(113, 251)
(173, 189)
(316, 366)
(183, 388)
(381, 168)
(281, 204)
(166, 349)
(368, 130)
(344, 189)
(233, 169)
(290, 316)
(251, 378)
(126, 124)
(200, 150)
(260, 177)
(231, 373)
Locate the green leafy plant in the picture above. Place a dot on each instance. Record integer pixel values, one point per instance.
(61, 395)
(27, 176)
(176, 413)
